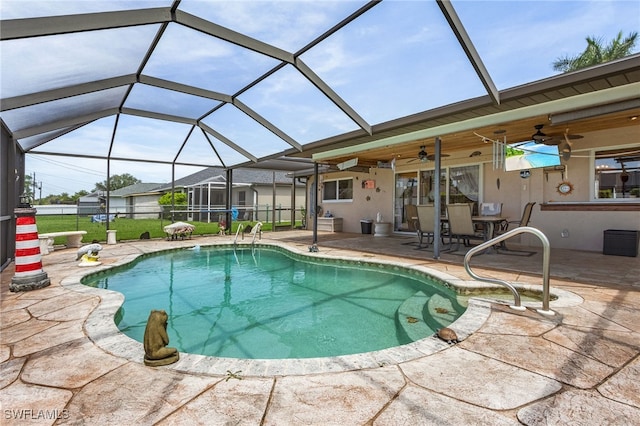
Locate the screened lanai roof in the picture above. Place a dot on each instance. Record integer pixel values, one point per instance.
(234, 83)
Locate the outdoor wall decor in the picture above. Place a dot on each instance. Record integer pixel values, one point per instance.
(368, 184)
(564, 188)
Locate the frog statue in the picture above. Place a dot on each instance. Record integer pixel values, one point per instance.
(156, 339)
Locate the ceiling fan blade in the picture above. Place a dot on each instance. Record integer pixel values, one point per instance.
(566, 152)
(433, 156)
(549, 140)
(566, 148)
(574, 137)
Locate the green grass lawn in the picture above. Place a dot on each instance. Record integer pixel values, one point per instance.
(127, 229)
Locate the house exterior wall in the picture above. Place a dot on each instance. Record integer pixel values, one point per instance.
(366, 202)
(146, 207)
(574, 221)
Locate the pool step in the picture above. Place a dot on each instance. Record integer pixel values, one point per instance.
(440, 311)
(411, 319)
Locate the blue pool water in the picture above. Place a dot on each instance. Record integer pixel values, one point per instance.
(264, 303)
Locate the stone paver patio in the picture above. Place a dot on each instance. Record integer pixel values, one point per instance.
(63, 363)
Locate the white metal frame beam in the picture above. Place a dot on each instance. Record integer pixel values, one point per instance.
(469, 49)
(12, 29)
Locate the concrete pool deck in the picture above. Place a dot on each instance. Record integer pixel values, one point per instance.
(580, 366)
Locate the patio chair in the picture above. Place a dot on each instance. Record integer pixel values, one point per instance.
(461, 224)
(426, 225)
(411, 217)
(524, 221)
(490, 209)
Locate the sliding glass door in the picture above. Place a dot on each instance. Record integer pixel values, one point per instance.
(406, 193)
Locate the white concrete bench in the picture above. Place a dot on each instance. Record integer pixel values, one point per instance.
(74, 239)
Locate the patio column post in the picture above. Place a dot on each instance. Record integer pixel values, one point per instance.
(315, 201)
(436, 200)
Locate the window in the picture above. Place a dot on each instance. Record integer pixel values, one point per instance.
(457, 185)
(617, 174)
(464, 184)
(338, 190)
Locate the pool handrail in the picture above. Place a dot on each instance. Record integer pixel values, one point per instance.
(257, 229)
(235, 240)
(546, 254)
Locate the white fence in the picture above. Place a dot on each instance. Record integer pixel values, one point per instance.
(54, 209)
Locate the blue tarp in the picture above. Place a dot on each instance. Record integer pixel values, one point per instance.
(101, 218)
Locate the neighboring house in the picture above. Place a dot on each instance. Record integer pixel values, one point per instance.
(140, 200)
(95, 203)
(254, 194)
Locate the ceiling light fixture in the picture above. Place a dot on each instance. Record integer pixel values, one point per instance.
(422, 155)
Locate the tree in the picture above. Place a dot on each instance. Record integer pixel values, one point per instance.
(597, 53)
(28, 187)
(180, 199)
(117, 182)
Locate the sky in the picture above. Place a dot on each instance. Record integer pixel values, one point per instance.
(397, 59)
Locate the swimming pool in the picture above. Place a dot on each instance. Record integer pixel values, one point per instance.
(267, 303)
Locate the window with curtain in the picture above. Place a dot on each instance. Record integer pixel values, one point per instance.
(457, 185)
(464, 184)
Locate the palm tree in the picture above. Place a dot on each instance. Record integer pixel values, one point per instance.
(597, 53)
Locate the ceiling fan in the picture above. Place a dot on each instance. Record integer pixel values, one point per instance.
(424, 157)
(540, 137)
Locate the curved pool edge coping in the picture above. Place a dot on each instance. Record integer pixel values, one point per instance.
(102, 330)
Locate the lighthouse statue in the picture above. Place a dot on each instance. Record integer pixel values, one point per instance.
(29, 274)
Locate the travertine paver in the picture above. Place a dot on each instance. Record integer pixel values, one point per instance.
(58, 334)
(513, 322)
(110, 385)
(41, 294)
(460, 373)
(51, 367)
(613, 348)
(10, 318)
(49, 306)
(5, 353)
(78, 311)
(580, 408)
(10, 370)
(135, 394)
(620, 311)
(417, 406)
(26, 404)
(11, 302)
(543, 357)
(231, 401)
(624, 386)
(333, 399)
(24, 329)
(582, 317)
